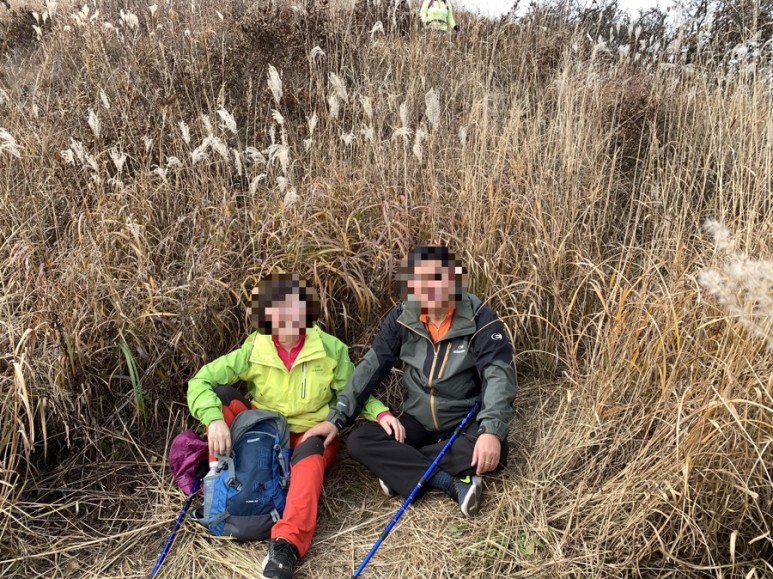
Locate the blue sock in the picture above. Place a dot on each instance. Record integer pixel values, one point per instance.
(443, 481)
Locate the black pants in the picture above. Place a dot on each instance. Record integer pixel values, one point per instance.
(401, 465)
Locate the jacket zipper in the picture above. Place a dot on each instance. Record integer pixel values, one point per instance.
(429, 381)
(445, 361)
(303, 384)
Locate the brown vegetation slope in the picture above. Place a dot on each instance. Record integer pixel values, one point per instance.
(150, 173)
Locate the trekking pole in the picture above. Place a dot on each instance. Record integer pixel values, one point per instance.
(177, 524)
(424, 478)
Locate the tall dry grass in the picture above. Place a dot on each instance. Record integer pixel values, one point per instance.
(153, 167)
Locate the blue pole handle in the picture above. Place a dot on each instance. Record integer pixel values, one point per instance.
(424, 478)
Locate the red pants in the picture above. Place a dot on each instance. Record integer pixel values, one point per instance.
(306, 476)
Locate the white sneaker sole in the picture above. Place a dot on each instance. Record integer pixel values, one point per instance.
(471, 504)
(385, 489)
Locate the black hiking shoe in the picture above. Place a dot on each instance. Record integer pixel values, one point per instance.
(280, 560)
(468, 491)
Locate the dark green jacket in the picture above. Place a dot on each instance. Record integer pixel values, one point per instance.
(472, 362)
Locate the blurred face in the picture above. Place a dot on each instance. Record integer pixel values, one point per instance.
(288, 317)
(432, 284)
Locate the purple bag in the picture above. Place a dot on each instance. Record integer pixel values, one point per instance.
(187, 454)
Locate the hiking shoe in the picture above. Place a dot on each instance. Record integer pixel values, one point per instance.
(468, 492)
(386, 490)
(280, 560)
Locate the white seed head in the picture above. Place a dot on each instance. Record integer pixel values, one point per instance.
(94, 123)
(347, 138)
(312, 121)
(290, 198)
(404, 114)
(173, 162)
(207, 124)
(118, 158)
(334, 105)
(316, 53)
(721, 235)
(68, 156)
(281, 153)
(227, 120)
(278, 118)
(91, 162)
(377, 27)
(368, 133)
(160, 172)
(367, 107)
(186, 132)
(148, 142)
(404, 132)
(237, 162)
(129, 20)
(339, 87)
(432, 103)
(463, 136)
(275, 83)
(104, 99)
(255, 182)
(8, 144)
(254, 156)
(77, 148)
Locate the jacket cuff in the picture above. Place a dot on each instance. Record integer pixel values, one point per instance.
(336, 418)
(382, 414)
(211, 415)
(494, 426)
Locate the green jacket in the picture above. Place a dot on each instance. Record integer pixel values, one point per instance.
(438, 14)
(303, 394)
(472, 362)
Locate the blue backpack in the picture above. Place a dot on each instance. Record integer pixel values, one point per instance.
(245, 495)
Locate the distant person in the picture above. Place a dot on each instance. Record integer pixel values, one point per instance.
(438, 15)
(292, 367)
(454, 352)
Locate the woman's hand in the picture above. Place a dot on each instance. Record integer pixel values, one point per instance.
(327, 430)
(393, 427)
(219, 438)
(486, 453)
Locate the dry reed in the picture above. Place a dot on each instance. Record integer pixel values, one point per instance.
(156, 161)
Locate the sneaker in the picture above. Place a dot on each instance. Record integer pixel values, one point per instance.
(468, 492)
(280, 560)
(386, 490)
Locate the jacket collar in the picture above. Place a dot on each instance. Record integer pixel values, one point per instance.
(264, 352)
(463, 323)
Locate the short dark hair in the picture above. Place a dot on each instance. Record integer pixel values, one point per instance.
(441, 253)
(276, 287)
(431, 253)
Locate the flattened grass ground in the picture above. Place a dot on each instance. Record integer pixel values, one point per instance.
(148, 177)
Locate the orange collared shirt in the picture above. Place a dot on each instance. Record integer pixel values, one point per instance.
(435, 332)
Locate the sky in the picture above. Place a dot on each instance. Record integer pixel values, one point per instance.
(499, 7)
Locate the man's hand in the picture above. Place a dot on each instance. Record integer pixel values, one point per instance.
(486, 453)
(327, 430)
(219, 438)
(393, 427)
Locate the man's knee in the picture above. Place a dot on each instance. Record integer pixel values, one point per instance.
(309, 447)
(358, 443)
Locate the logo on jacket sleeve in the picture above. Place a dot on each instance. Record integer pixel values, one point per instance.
(496, 336)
